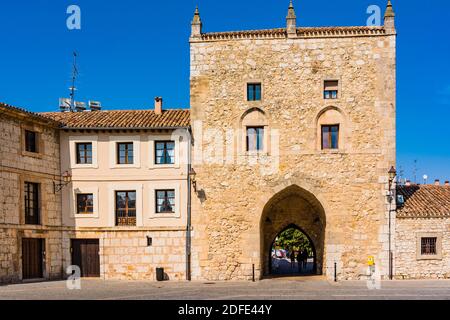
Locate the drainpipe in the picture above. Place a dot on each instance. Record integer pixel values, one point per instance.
(188, 224)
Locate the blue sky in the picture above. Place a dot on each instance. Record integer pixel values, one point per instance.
(131, 51)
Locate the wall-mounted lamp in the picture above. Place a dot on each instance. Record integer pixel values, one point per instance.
(192, 175)
(392, 174)
(66, 179)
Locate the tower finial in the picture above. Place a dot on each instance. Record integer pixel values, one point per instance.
(389, 10)
(291, 21)
(389, 18)
(196, 25)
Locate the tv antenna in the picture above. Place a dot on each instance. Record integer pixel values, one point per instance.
(74, 78)
(70, 104)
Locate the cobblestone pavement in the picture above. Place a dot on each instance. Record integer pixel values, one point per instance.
(270, 289)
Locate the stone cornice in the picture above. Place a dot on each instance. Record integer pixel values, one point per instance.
(280, 33)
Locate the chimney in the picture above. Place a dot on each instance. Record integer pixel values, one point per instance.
(158, 105)
(447, 183)
(408, 183)
(437, 182)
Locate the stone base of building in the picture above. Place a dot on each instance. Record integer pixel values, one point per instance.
(134, 254)
(45, 262)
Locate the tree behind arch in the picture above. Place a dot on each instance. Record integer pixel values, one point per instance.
(293, 239)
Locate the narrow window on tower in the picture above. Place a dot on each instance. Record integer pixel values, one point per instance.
(255, 138)
(331, 89)
(253, 91)
(330, 137)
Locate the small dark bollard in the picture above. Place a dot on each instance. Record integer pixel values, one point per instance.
(160, 274)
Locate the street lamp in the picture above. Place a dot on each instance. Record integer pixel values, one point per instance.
(66, 179)
(392, 174)
(192, 175)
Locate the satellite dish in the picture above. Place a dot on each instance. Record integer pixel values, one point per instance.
(425, 177)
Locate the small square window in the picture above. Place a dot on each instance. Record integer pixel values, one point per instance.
(330, 137)
(428, 246)
(31, 141)
(84, 153)
(165, 201)
(255, 138)
(125, 153)
(254, 92)
(164, 152)
(331, 88)
(85, 203)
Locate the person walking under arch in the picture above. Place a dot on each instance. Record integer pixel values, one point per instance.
(299, 261)
(292, 256)
(304, 259)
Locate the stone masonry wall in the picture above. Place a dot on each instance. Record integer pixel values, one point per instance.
(407, 263)
(350, 184)
(17, 167)
(124, 254)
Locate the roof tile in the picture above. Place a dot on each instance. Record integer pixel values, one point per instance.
(118, 119)
(424, 201)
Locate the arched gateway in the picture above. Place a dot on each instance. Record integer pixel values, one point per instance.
(293, 206)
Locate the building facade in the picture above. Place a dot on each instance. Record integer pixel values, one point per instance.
(293, 127)
(289, 127)
(125, 207)
(30, 209)
(423, 232)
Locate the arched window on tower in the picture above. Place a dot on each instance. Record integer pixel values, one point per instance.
(254, 130)
(330, 130)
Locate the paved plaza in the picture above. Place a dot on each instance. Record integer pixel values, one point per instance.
(300, 288)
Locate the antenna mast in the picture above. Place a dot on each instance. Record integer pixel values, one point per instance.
(74, 78)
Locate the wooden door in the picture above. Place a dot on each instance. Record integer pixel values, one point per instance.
(85, 254)
(32, 258)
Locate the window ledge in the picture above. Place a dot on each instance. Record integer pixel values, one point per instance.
(125, 166)
(255, 154)
(164, 166)
(430, 257)
(37, 155)
(332, 151)
(164, 215)
(84, 166)
(85, 215)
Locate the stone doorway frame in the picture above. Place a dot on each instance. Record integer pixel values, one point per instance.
(313, 202)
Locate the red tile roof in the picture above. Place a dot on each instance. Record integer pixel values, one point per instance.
(118, 119)
(424, 201)
(16, 111)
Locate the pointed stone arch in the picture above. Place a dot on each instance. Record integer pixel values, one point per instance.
(293, 206)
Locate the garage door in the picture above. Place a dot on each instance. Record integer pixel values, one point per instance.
(32, 258)
(85, 254)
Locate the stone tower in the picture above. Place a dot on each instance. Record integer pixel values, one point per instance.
(293, 127)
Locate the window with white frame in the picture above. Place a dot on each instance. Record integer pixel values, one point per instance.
(165, 201)
(164, 152)
(124, 152)
(83, 151)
